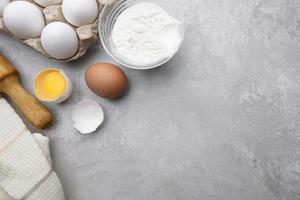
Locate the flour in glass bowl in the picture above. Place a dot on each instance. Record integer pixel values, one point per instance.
(145, 34)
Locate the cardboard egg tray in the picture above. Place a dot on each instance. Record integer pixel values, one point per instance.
(87, 34)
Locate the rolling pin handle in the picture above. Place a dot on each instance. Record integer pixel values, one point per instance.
(30, 107)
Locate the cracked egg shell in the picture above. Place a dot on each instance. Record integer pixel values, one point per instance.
(52, 85)
(87, 116)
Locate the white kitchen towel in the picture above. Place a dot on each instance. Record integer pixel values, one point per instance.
(25, 165)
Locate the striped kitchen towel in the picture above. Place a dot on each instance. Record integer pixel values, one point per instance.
(25, 166)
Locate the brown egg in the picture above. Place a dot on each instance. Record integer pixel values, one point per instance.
(106, 80)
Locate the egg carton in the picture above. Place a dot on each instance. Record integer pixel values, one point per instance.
(87, 34)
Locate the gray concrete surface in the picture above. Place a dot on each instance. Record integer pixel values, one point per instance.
(221, 121)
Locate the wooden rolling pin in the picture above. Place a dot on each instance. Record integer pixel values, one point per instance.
(37, 114)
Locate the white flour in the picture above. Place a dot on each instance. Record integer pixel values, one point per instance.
(145, 34)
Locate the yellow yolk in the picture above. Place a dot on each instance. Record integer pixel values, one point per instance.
(50, 85)
(54, 84)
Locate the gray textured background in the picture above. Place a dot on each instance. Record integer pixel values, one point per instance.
(221, 121)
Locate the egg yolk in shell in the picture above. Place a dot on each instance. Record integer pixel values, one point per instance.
(49, 85)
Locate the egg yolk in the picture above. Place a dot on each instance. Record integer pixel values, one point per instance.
(50, 85)
(54, 84)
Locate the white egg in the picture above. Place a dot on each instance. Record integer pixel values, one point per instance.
(80, 12)
(3, 4)
(45, 3)
(87, 116)
(59, 40)
(23, 19)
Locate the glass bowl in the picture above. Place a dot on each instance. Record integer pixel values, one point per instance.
(110, 14)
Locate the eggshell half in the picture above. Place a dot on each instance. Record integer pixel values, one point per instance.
(62, 97)
(87, 116)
